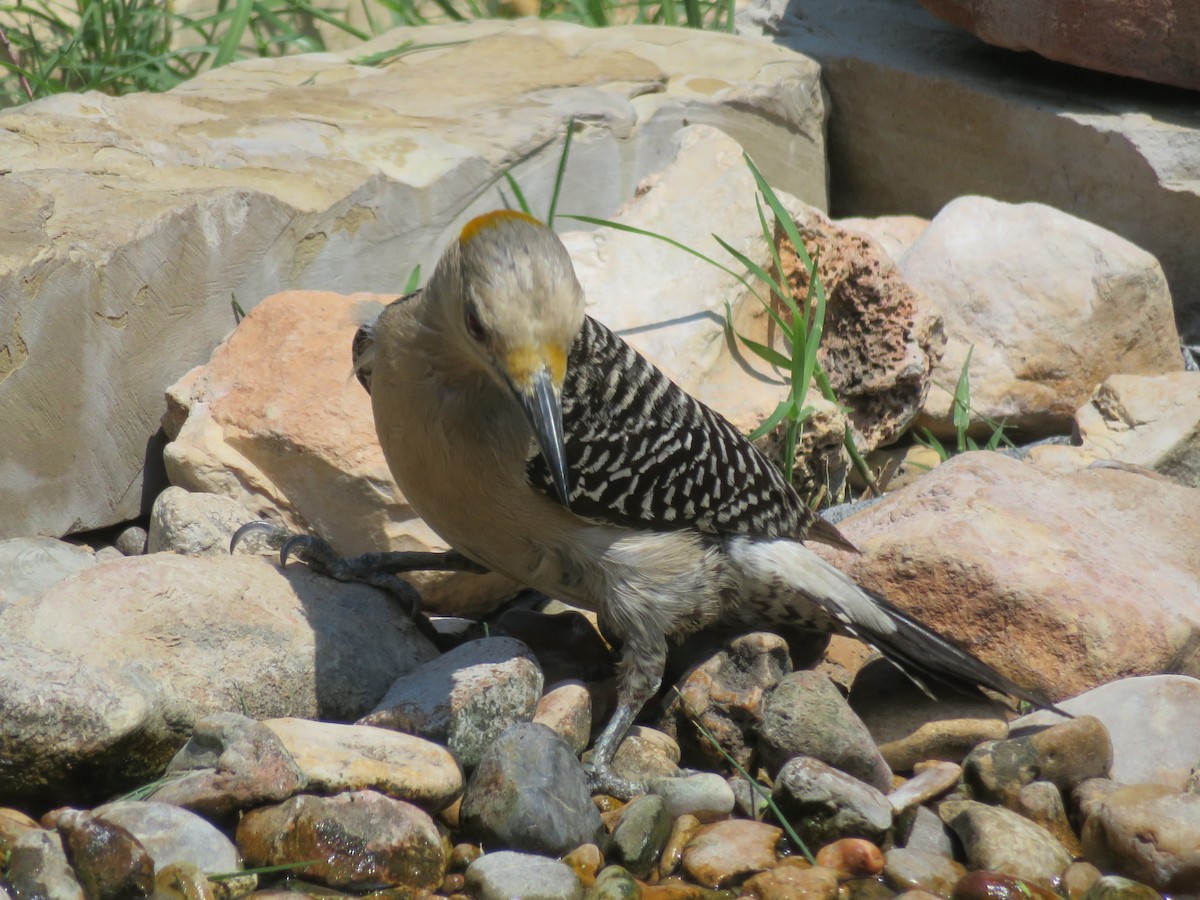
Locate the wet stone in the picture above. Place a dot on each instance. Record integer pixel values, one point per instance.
(1114, 887)
(506, 874)
(724, 851)
(641, 834)
(793, 883)
(1064, 754)
(825, 804)
(109, 862)
(645, 754)
(183, 881)
(683, 830)
(916, 870)
(38, 868)
(529, 793)
(706, 795)
(1077, 879)
(173, 835)
(851, 858)
(806, 715)
(982, 885)
(230, 763)
(586, 861)
(614, 883)
(358, 841)
(999, 840)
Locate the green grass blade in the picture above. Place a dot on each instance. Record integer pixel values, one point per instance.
(783, 410)
(962, 402)
(756, 270)
(234, 31)
(560, 172)
(518, 194)
(414, 280)
(695, 18)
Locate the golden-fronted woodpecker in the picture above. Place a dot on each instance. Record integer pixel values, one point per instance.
(540, 445)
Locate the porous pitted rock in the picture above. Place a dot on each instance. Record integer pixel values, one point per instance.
(882, 339)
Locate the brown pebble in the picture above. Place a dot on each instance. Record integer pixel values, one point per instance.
(683, 830)
(793, 883)
(605, 803)
(980, 885)
(585, 861)
(462, 855)
(1078, 878)
(450, 815)
(851, 858)
(453, 883)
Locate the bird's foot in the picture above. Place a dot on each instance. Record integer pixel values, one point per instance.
(377, 569)
(606, 781)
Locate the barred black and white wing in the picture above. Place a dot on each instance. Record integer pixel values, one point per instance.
(643, 453)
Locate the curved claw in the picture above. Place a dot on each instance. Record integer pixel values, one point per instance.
(249, 528)
(301, 541)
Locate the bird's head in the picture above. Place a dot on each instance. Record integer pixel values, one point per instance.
(508, 291)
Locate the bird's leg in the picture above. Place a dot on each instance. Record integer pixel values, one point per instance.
(378, 569)
(639, 676)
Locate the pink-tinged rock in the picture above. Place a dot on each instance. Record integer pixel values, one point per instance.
(1156, 40)
(726, 850)
(1062, 582)
(895, 234)
(277, 421)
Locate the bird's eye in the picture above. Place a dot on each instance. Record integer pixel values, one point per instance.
(474, 326)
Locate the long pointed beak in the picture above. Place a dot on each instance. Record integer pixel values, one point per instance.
(544, 410)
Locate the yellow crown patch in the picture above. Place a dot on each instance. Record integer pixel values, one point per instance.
(492, 220)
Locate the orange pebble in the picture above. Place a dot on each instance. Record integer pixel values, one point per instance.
(851, 857)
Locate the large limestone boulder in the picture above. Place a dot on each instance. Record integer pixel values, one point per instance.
(922, 112)
(133, 222)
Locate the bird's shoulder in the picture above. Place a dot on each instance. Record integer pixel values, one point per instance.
(643, 453)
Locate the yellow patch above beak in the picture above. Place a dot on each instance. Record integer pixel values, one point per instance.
(523, 363)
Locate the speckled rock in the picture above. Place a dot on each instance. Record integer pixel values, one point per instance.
(567, 709)
(725, 694)
(194, 524)
(357, 841)
(465, 698)
(529, 793)
(614, 883)
(1153, 723)
(338, 758)
(999, 840)
(230, 763)
(825, 804)
(645, 754)
(38, 867)
(503, 875)
(805, 715)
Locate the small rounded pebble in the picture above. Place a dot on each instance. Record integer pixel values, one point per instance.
(851, 858)
(917, 870)
(586, 861)
(1114, 887)
(640, 836)
(1078, 878)
(1042, 802)
(506, 874)
(706, 795)
(981, 885)
(793, 883)
(453, 883)
(683, 830)
(1000, 840)
(463, 855)
(614, 883)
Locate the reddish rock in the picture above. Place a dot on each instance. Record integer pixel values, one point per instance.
(1156, 40)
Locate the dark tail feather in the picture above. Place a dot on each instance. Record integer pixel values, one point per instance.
(920, 652)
